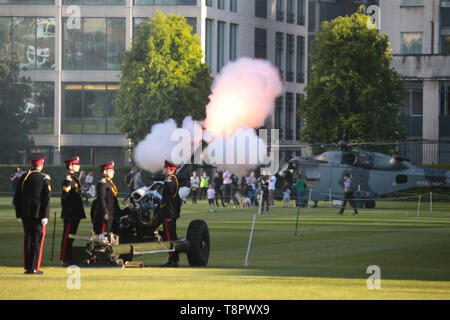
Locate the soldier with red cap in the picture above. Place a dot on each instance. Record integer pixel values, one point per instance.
(169, 210)
(32, 204)
(72, 207)
(105, 210)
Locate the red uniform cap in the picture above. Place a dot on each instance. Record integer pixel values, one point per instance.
(108, 165)
(74, 160)
(170, 165)
(37, 159)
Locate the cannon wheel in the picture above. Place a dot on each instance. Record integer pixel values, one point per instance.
(198, 237)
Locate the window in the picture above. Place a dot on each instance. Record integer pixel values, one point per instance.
(42, 102)
(412, 108)
(288, 115)
(208, 46)
(290, 15)
(300, 75)
(301, 12)
(220, 45)
(445, 28)
(88, 108)
(289, 57)
(209, 3)
(165, 2)
(261, 8)
(221, 4)
(260, 43)
(280, 10)
(411, 43)
(97, 45)
(279, 46)
(233, 41)
(278, 113)
(233, 6)
(444, 93)
(412, 3)
(38, 2)
(31, 39)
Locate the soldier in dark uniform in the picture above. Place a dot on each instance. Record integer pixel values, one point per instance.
(105, 210)
(32, 204)
(169, 210)
(72, 208)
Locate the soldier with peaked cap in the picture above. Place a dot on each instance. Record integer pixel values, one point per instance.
(169, 210)
(105, 210)
(72, 207)
(32, 204)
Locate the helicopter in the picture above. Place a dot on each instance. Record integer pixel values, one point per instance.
(373, 174)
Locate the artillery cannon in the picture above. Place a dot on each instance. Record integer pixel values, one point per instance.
(138, 236)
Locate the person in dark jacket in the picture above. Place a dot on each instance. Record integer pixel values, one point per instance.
(72, 207)
(105, 210)
(169, 210)
(32, 205)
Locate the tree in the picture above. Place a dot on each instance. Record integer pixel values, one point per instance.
(15, 121)
(163, 77)
(353, 94)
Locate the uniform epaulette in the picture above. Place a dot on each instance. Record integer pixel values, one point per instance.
(46, 177)
(103, 180)
(69, 177)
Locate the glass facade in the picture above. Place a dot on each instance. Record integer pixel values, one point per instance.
(96, 45)
(260, 43)
(165, 2)
(31, 40)
(445, 27)
(289, 115)
(290, 14)
(412, 3)
(88, 108)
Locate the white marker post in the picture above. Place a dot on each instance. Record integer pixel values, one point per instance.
(250, 241)
(418, 206)
(309, 199)
(330, 197)
(431, 201)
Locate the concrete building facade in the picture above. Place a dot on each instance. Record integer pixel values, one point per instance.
(71, 50)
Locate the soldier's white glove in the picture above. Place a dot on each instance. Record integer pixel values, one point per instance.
(44, 221)
(19, 219)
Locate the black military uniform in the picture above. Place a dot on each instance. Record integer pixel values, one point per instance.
(105, 210)
(72, 210)
(169, 211)
(32, 204)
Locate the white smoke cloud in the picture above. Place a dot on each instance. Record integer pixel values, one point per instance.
(164, 141)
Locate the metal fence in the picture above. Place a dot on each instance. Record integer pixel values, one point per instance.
(426, 151)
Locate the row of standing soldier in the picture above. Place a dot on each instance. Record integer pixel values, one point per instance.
(32, 205)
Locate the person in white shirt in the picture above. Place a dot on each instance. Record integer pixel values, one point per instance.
(211, 193)
(195, 186)
(272, 182)
(348, 195)
(226, 176)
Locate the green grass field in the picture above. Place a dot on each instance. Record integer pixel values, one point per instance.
(328, 259)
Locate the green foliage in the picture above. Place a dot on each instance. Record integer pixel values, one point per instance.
(163, 77)
(15, 123)
(353, 94)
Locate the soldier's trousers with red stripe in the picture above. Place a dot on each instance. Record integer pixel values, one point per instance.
(170, 233)
(33, 243)
(70, 227)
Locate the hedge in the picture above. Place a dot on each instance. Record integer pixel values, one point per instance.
(58, 173)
